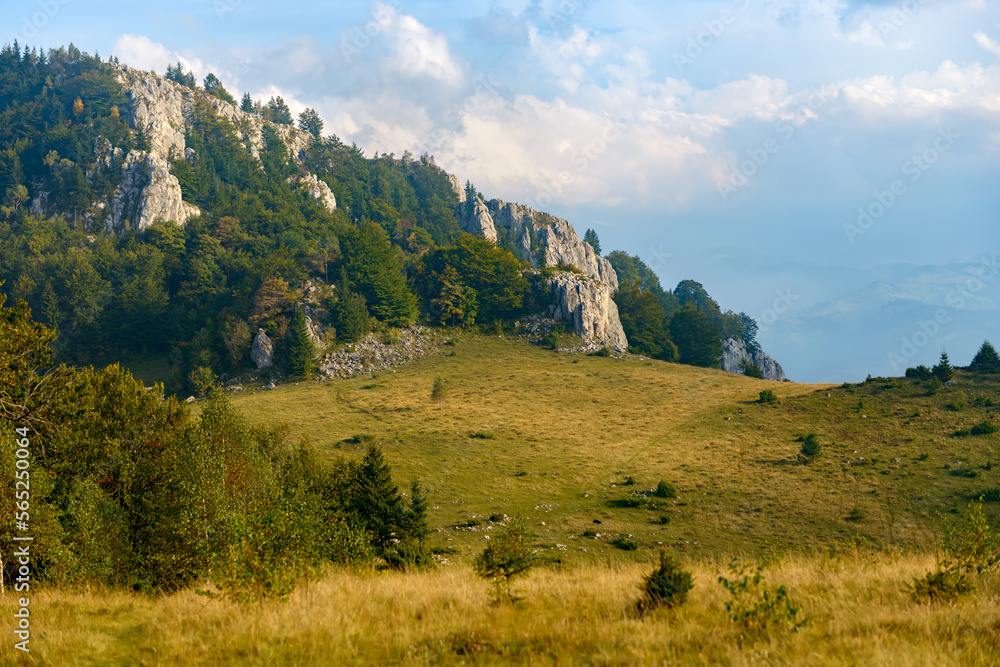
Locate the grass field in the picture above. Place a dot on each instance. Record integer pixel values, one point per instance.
(857, 612)
(555, 437)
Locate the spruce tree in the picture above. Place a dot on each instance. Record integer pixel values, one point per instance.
(350, 312)
(986, 360)
(591, 237)
(943, 370)
(301, 353)
(416, 516)
(375, 500)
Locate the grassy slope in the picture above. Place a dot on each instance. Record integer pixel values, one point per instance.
(570, 429)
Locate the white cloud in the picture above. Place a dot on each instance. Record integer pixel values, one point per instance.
(990, 45)
(418, 50)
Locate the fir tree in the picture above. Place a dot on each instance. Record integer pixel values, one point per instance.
(350, 312)
(301, 353)
(247, 105)
(416, 516)
(696, 337)
(943, 370)
(986, 360)
(310, 121)
(591, 237)
(375, 500)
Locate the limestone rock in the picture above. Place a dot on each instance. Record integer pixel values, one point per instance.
(148, 192)
(735, 353)
(318, 190)
(587, 303)
(456, 185)
(262, 352)
(536, 237)
(475, 219)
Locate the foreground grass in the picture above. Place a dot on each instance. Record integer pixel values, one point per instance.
(857, 607)
(555, 437)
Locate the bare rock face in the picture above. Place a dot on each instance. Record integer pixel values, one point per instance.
(262, 352)
(319, 191)
(587, 303)
(456, 185)
(475, 218)
(735, 354)
(148, 192)
(162, 110)
(536, 237)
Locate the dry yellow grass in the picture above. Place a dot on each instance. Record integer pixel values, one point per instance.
(858, 610)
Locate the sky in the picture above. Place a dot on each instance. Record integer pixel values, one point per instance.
(829, 167)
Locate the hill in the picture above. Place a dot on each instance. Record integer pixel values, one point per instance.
(557, 437)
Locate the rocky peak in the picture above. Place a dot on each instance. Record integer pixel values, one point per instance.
(539, 238)
(736, 353)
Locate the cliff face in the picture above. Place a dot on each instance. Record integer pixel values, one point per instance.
(162, 110)
(735, 354)
(536, 237)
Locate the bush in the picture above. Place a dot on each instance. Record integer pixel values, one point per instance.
(768, 397)
(755, 608)
(934, 386)
(440, 390)
(855, 515)
(482, 435)
(507, 556)
(624, 543)
(920, 373)
(990, 495)
(663, 520)
(972, 548)
(665, 490)
(551, 341)
(811, 447)
(751, 370)
(603, 352)
(940, 586)
(666, 586)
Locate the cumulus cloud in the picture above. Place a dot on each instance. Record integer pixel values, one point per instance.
(990, 45)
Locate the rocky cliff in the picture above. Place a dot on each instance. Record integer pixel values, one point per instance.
(541, 239)
(735, 354)
(162, 110)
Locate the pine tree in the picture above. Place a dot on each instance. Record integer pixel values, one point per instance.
(943, 370)
(591, 237)
(301, 353)
(986, 360)
(310, 121)
(247, 105)
(279, 111)
(350, 312)
(416, 516)
(375, 500)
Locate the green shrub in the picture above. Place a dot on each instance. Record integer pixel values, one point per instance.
(482, 435)
(665, 490)
(934, 386)
(940, 586)
(973, 547)
(666, 586)
(551, 340)
(603, 352)
(964, 471)
(628, 502)
(983, 402)
(768, 397)
(624, 543)
(751, 370)
(855, 515)
(629, 481)
(923, 456)
(440, 389)
(663, 520)
(757, 608)
(991, 495)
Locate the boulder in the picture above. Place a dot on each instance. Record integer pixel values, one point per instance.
(148, 192)
(262, 352)
(735, 353)
(319, 191)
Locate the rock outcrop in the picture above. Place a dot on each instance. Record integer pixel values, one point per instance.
(319, 191)
(456, 185)
(161, 110)
(262, 352)
(735, 354)
(541, 239)
(148, 191)
(587, 303)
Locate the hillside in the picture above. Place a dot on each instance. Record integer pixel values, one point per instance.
(555, 437)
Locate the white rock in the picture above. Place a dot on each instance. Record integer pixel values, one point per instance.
(262, 351)
(735, 353)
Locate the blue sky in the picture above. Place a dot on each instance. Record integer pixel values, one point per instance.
(734, 143)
